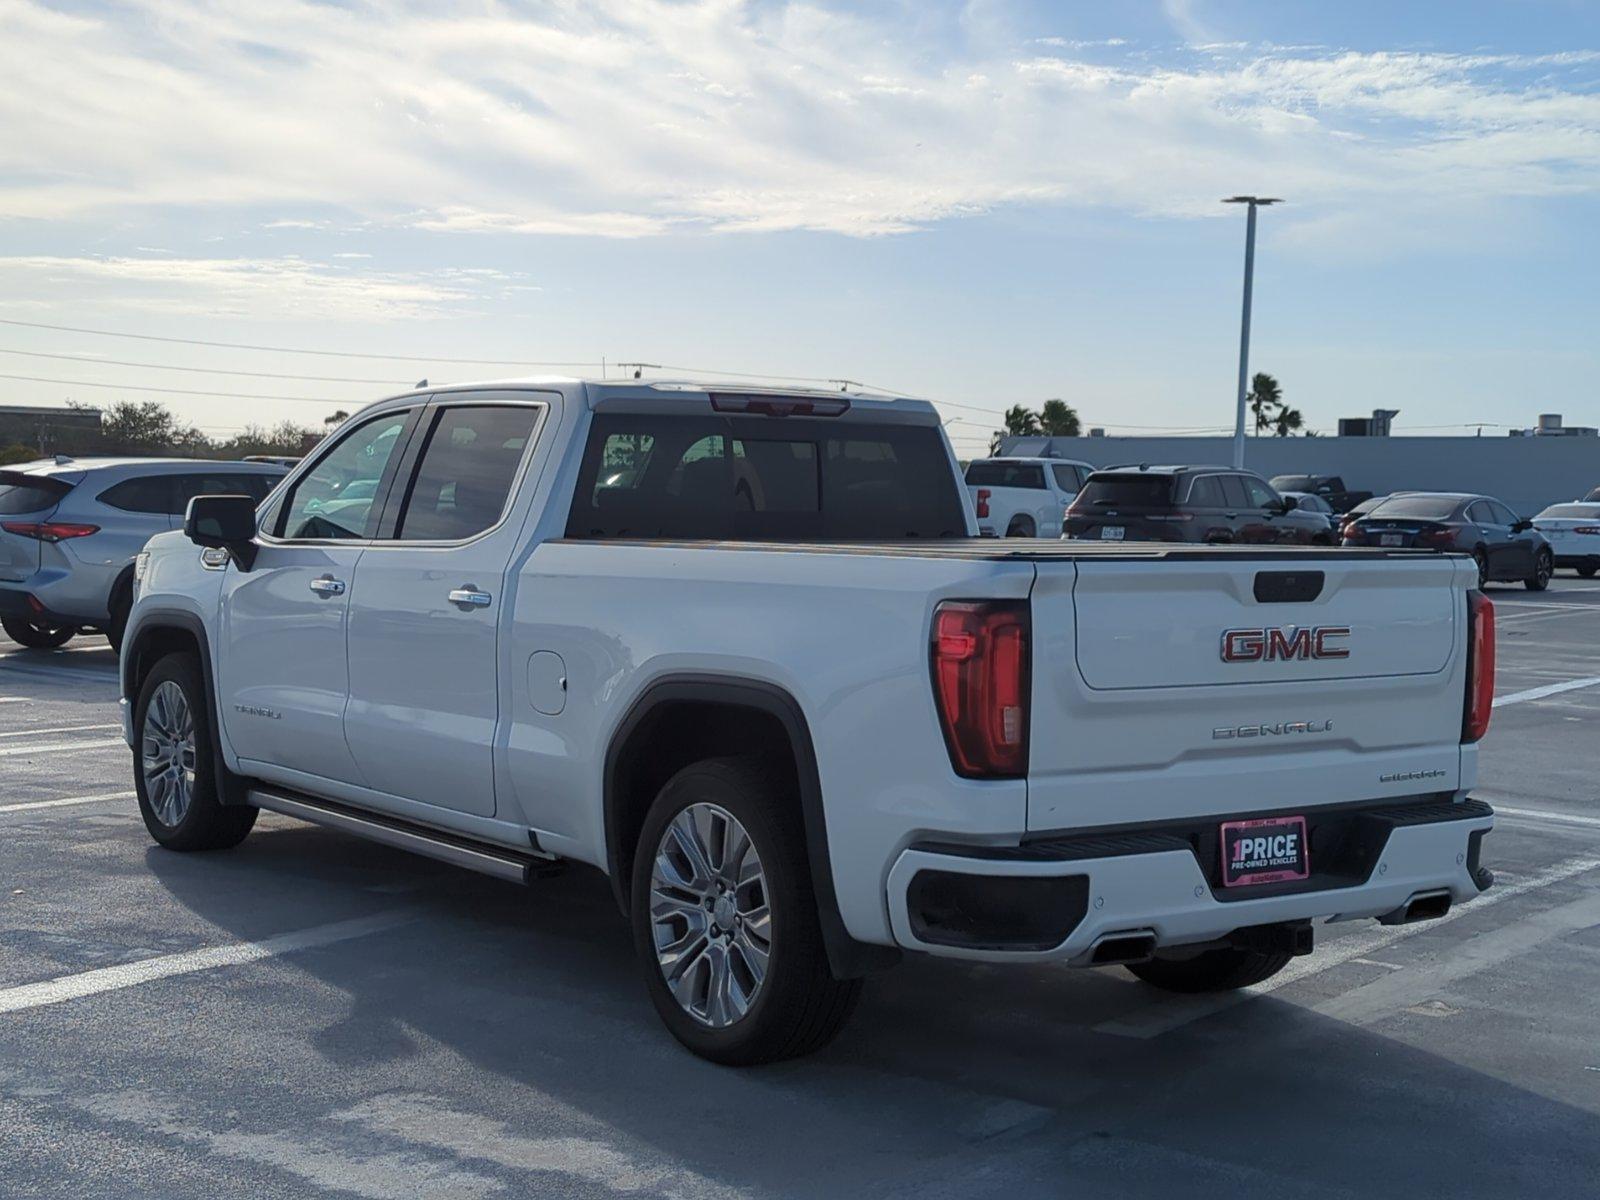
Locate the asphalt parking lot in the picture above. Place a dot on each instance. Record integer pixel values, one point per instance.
(310, 1014)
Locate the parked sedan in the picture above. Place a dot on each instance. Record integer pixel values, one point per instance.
(1573, 531)
(1507, 547)
(1319, 515)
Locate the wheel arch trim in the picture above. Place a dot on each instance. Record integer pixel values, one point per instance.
(847, 957)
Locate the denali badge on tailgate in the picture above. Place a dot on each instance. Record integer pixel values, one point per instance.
(1290, 642)
(1265, 850)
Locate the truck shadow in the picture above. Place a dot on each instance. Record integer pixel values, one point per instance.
(952, 1080)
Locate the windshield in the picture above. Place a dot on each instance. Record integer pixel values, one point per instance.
(1424, 508)
(1134, 491)
(1586, 512)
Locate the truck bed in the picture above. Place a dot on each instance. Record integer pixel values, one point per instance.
(1038, 550)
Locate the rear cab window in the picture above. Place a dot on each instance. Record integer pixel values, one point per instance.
(997, 472)
(763, 479)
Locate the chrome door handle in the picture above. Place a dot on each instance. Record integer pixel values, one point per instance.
(470, 597)
(327, 585)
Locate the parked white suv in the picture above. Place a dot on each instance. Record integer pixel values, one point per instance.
(1024, 497)
(741, 651)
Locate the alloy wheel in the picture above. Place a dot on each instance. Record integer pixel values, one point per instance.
(709, 915)
(167, 754)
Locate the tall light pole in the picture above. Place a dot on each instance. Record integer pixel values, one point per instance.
(1244, 325)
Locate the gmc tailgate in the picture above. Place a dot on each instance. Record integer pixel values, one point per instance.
(1200, 684)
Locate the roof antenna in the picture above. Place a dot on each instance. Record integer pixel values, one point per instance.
(422, 383)
(638, 368)
(845, 384)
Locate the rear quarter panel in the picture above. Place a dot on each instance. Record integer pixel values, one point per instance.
(846, 635)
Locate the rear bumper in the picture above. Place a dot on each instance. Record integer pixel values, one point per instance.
(1096, 887)
(52, 597)
(1577, 560)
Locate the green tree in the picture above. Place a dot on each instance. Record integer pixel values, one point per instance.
(338, 418)
(1059, 419)
(1265, 399)
(146, 427)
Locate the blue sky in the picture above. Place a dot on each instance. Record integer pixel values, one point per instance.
(987, 203)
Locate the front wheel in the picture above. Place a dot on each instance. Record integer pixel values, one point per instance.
(725, 919)
(1587, 572)
(1221, 970)
(1544, 567)
(35, 637)
(175, 764)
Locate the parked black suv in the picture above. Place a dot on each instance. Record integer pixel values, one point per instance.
(1189, 504)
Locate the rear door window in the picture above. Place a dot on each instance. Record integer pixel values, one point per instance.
(221, 483)
(464, 476)
(1205, 492)
(998, 472)
(759, 479)
(143, 494)
(1066, 478)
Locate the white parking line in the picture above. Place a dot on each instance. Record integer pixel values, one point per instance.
(1549, 689)
(125, 975)
(15, 700)
(1170, 1014)
(1542, 814)
(59, 729)
(64, 801)
(53, 747)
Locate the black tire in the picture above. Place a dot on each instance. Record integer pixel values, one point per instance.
(205, 823)
(1544, 566)
(1022, 527)
(1482, 559)
(118, 625)
(1222, 970)
(35, 637)
(1587, 572)
(798, 1006)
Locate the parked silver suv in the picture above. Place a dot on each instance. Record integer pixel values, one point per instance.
(70, 528)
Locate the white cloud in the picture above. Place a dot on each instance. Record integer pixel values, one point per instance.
(635, 118)
(287, 287)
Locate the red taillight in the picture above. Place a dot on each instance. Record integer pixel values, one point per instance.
(982, 502)
(779, 406)
(1480, 667)
(1440, 539)
(49, 531)
(980, 684)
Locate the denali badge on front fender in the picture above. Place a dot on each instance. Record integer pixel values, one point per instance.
(1286, 644)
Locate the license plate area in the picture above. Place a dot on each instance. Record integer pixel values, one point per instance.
(1392, 539)
(1264, 850)
(1112, 533)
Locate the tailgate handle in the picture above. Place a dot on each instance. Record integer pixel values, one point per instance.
(1288, 587)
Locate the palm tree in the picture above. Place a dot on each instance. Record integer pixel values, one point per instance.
(1266, 398)
(1288, 420)
(1020, 421)
(1059, 419)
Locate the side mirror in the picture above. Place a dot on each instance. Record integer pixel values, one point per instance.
(223, 523)
(1289, 503)
(1522, 525)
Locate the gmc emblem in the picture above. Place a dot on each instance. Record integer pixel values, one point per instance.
(1284, 645)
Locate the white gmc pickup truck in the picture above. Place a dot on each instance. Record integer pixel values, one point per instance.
(742, 651)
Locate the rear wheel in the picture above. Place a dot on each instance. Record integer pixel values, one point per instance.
(1587, 572)
(725, 920)
(1022, 527)
(175, 762)
(1221, 970)
(1482, 559)
(1544, 566)
(35, 637)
